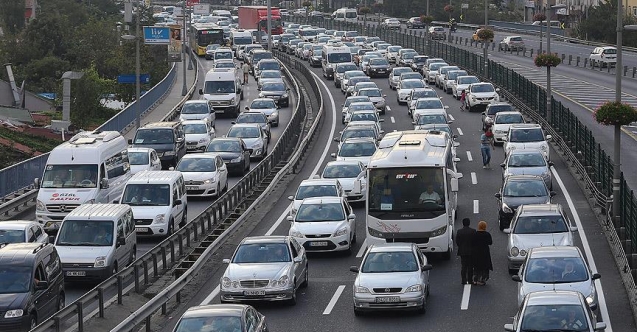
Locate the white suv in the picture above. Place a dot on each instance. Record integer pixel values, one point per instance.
(527, 136)
(603, 56)
(480, 94)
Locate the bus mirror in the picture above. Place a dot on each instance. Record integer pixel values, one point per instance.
(454, 185)
(357, 187)
(36, 183)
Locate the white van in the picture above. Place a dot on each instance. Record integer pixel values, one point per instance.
(221, 12)
(240, 37)
(223, 91)
(95, 241)
(345, 14)
(92, 167)
(333, 55)
(158, 200)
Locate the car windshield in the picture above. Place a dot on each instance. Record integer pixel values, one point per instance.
(358, 132)
(420, 59)
(555, 270)
(223, 55)
(495, 109)
(89, 233)
(527, 160)
(308, 191)
(468, 80)
(210, 323)
(15, 279)
(508, 118)
(195, 128)
(370, 93)
(515, 38)
(244, 132)
(261, 253)
(339, 57)
(408, 76)
(342, 171)
(437, 126)
(526, 135)
(362, 107)
(269, 65)
(382, 47)
(610, 51)
(196, 165)
(12, 236)
(352, 74)
(251, 118)
(154, 136)
(454, 74)
(320, 212)
(386, 262)
(423, 94)
(412, 84)
(195, 108)
(224, 146)
(270, 74)
(429, 104)
(146, 194)
(263, 104)
(554, 317)
(394, 48)
(352, 82)
(357, 149)
(318, 53)
(540, 225)
(69, 176)
(527, 188)
(399, 71)
(431, 119)
(378, 62)
(356, 99)
(219, 87)
(274, 86)
(346, 67)
(409, 55)
(223, 64)
(482, 88)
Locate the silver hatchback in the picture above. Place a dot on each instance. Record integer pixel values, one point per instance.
(528, 162)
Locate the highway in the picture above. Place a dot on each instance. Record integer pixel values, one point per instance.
(326, 305)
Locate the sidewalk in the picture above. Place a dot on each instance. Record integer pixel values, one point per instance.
(173, 97)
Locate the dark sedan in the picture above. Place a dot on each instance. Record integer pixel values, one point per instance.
(378, 67)
(419, 62)
(234, 153)
(415, 23)
(222, 317)
(518, 190)
(277, 91)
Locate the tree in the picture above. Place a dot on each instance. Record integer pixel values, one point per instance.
(12, 15)
(86, 94)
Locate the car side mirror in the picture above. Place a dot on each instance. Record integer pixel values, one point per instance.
(484, 113)
(36, 183)
(600, 326)
(291, 198)
(573, 228)
(498, 195)
(177, 202)
(497, 89)
(553, 193)
(351, 216)
(509, 327)
(171, 168)
(551, 164)
(225, 261)
(233, 122)
(354, 269)
(104, 184)
(503, 165)
(381, 120)
(246, 108)
(41, 285)
(298, 259)
(427, 267)
(596, 276)
(446, 106)
(289, 218)
(336, 139)
(516, 278)
(506, 231)
(200, 92)
(130, 141)
(51, 238)
(121, 241)
(454, 184)
(116, 201)
(333, 155)
(548, 137)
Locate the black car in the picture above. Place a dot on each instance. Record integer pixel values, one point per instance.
(234, 153)
(418, 63)
(31, 285)
(518, 190)
(167, 138)
(222, 317)
(378, 67)
(415, 23)
(277, 91)
(315, 58)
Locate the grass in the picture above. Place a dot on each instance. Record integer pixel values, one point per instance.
(9, 156)
(37, 143)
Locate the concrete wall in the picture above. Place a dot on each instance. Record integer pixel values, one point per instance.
(33, 102)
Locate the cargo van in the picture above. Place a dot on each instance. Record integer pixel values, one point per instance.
(345, 14)
(92, 167)
(96, 241)
(333, 55)
(240, 37)
(223, 91)
(158, 200)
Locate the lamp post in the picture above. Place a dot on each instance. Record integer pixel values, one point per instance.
(137, 37)
(485, 54)
(184, 88)
(548, 68)
(427, 29)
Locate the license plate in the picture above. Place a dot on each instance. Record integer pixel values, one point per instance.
(192, 188)
(141, 229)
(388, 299)
(75, 273)
(254, 293)
(381, 70)
(318, 244)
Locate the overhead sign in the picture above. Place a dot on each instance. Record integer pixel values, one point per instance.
(464, 6)
(201, 9)
(157, 35)
(130, 79)
(561, 11)
(174, 48)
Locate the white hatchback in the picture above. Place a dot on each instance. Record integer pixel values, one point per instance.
(527, 136)
(205, 174)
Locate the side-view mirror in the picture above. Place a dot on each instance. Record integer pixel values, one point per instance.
(246, 108)
(250, 150)
(503, 165)
(548, 137)
(551, 164)
(600, 326)
(446, 106)
(454, 184)
(104, 184)
(427, 267)
(596, 276)
(484, 113)
(291, 198)
(455, 145)
(289, 218)
(278, 107)
(180, 139)
(509, 328)
(516, 278)
(333, 155)
(413, 122)
(573, 228)
(41, 285)
(177, 202)
(225, 261)
(553, 193)
(116, 201)
(200, 92)
(233, 122)
(130, 141)
(171, 168)
(353, 269)
(506, 231)
(336, 139)
(298, 259)
(498, 195)
(381, 120)
(121, 241)
(449, 121)
(351, 216)
(36, 183)
(51, 238)
(497, 89)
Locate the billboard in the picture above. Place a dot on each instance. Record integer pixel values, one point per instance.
(201, 9)
(156, 35)
(175, 46)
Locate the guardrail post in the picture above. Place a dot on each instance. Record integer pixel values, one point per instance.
(180, 237)
(531, 53)
(570, 59)
(625, 70)
(58, 323)
(163, 309)
(163, 258)
(145, 263)
(608, 68)
(80, 316)
(178, 297)
(492, 46)
(172, 252)
(577, 61)
(120, 289)
(100, 299)
(136, 272)
(155, 266)
(634, 71)
(563, 57)
(195, 232)
(148, 324)
(585, 62)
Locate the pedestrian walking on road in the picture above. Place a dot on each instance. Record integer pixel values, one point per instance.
(246, 72)
(464, 240)
(486, 144)
(482, 254)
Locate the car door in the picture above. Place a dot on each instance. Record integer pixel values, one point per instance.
(300, 252)
(222, 170)
(42, 298)
(121, 251)
(246, 154)
(348, 211)
(154, 161)
(30, 236)
(177, 210)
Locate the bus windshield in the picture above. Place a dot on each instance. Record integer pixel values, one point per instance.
(211, 36)
(407, 189)
(70, 176)
(339, 57)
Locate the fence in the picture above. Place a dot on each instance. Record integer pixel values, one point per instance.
(576, 142)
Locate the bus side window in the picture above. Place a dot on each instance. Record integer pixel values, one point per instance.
(102, 172)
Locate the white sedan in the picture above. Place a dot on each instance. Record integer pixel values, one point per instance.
(356, 149)
(404, 89)
(205, 174)
(462, 83)
(198, 134)
(425, 105)
(351, 175)
(20, 231)
(143, 159)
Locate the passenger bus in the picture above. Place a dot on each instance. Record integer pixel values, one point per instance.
(204, 34)
(412, 191)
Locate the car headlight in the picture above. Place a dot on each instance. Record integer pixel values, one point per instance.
(235, 160)
(514, 251)
(203, 140)
(90, 201)
(283, 281)
(414, 288)
(341, 231)
(439, 231)
(40, 206)
(100, 261)
(522, 252)
(169, 153)
(543, 147)
(208, 181)
(590, 299)
(14, 313)
(360, 289)
(233, 100)
(506, 208)
(160, 218)
(296, 233)
(226, 282)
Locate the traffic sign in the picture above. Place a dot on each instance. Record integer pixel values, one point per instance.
(464, 6)
(201, 9)
(157, 35)
(190, 3)
(130, 79)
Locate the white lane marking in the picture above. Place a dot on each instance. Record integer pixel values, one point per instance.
(392, 119)
(451, 118)
(361, 251)
(459, 131)
(476, 206)
(587, 251)
(469, 157)
(211, 296)
(334, 299)
(474, 178)
(466, 294)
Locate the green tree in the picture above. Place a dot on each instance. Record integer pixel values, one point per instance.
(12, 15)
(86, 94)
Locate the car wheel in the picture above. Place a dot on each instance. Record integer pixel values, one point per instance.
(218, 191)
(358, 312)
(447, 254)
(184, 218)
(171, 228)
(423, 308)
(306, 278)
(354, 237)
(501, 225)
(133, 256)
(513, 271)
(61, 302)
(34, 321)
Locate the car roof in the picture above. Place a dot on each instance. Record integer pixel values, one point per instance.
(508, 112)
(554, 297)
(521, 177)
(245, 125)
(20, 254)
(557, 251)
(540, 209)
(343, 162)
(205, 155)
(395, 246)
(215, 310)
(525, 126)
(197, 121)
(357, 140)
(252, 113)
(525, 151)
(15, 224)
(262, 99)
(198, 101)
(265, 239)
(318, 182)
(323, 199)
(236, 139)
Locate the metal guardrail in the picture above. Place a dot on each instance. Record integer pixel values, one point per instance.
(144, 314)
(21, 200)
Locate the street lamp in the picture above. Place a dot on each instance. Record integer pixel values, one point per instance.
(136, 37)
(548, 68)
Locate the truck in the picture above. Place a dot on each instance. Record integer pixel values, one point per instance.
(256, 17)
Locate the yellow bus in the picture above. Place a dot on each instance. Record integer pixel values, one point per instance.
(204, 34)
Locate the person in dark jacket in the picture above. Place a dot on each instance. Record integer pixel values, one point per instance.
(464, 240)
(481, 254)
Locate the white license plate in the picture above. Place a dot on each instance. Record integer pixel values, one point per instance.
(254, 293)
(388, 299)
(192, 188)
(141, 229)
(318, 244)
(75, 273)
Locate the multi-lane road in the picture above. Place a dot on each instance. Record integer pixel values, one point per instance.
(326, 305)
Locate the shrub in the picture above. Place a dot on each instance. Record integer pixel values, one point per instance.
(547, 60)
(485, 34)
(614, 113)
(449, 8)
(364, 10)
(539, 17)
(426, 19)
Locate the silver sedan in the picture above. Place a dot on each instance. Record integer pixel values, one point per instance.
(265, 268)
(529, 162)
(391, 276)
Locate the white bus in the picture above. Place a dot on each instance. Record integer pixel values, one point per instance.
(345, 14)
(412, 191)
(333, 55)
